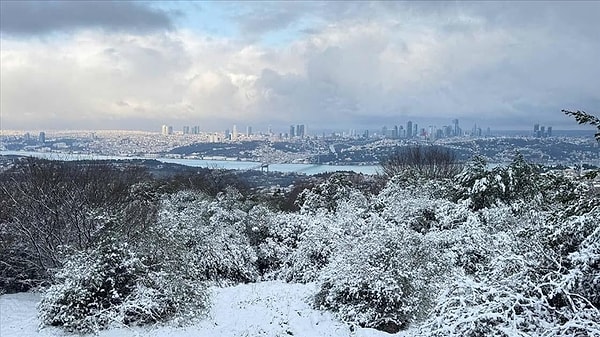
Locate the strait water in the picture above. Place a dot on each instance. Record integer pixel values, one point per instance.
(309, 169)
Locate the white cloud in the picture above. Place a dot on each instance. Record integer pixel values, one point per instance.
(354, 70)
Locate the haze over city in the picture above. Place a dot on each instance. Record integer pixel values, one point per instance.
(140, 65)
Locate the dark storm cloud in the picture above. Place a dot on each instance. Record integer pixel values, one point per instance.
(42, 17)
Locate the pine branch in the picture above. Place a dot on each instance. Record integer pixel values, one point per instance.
(583, 117)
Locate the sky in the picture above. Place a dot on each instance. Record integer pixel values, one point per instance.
(334, 65)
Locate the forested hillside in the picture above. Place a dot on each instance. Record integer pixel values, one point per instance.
(508, 251)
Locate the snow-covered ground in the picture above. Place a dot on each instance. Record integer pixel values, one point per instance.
(257, 309)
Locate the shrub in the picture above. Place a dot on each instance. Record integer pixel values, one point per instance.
(384, 280)
(426, 161)
(484, 188)
(314, 247)
(513, 306)
(274, 236)
(326, 195)
(114, 285)
(46, 206)
(584, 276)
(205, 233)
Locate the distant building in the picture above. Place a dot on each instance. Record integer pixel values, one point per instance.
(186, 130)
(42, 137)
(300, 130)
(541, 131)
(214, 138)
(292, 131)
(234, 134)
(167, 130)
(248, 131)
(456, 129)
(409, 129)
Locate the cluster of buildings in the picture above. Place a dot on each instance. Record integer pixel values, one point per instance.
(412, 130)
(409, 131)
(41, 139)
(296, 132)
(541, 131)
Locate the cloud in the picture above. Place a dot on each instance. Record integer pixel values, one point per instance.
(43, 17)
(363, 65)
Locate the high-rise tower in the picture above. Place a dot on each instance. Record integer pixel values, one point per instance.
(456, 129)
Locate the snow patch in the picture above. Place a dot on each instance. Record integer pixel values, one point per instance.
(269, 309)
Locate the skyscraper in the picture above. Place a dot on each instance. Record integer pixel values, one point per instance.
(300, 130)
(456, 129)
(42, 137)
(167, 130)
(292, 131)
(409, 129)
(248, 131)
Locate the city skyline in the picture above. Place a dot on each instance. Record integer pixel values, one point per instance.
(339, 65)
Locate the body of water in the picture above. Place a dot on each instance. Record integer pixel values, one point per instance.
(309, 169)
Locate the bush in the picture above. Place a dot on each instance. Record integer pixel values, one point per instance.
(484, 188)
(47, 206)
(315, 245)
(384, 280)
(207, 234)
(274, 236)
(426, 161)
(584, 276)
(510, 307)
(114, 285)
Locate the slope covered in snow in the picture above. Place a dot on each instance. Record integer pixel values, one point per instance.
(257, 309)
